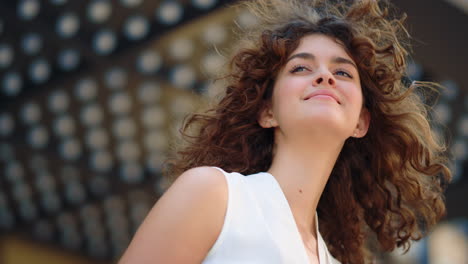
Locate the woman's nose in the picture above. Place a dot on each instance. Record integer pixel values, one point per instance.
(324, 78)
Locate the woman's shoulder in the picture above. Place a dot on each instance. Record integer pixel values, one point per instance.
(189, 215)
(206, 181)
(204, 175)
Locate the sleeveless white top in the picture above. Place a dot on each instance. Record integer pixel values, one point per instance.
(259, 226)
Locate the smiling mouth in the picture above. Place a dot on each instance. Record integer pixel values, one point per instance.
(323, 97)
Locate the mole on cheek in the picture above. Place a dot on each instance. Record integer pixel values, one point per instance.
(300, 190)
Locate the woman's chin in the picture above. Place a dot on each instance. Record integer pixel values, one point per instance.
(326, 116)
(333, 124)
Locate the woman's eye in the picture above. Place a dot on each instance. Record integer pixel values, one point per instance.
(344, 74)
(299, 69)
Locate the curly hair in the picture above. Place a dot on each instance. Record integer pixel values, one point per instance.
(387, 186)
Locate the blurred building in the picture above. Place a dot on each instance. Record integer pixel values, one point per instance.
(93, 92)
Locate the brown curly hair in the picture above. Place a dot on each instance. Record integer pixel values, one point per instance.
(392, 190)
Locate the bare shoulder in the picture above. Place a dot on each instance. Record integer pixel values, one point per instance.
(202, 183)
(202, 177)
(185, 222)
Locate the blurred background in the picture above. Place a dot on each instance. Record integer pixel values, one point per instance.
(92, 93)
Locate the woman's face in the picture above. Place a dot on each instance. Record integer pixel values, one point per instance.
(318, 88)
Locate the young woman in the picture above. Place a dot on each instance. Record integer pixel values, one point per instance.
(316, 129)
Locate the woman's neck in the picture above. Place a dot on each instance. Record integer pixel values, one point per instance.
(302, 170)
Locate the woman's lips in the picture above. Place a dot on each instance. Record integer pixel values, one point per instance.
(325, 94)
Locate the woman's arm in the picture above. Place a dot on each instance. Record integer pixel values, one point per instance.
(185, 222)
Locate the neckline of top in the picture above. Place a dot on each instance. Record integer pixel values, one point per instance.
(291, 216)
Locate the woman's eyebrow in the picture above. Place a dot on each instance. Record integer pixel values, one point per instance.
(310, 56)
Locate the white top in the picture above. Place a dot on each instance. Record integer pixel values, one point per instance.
(259, 226)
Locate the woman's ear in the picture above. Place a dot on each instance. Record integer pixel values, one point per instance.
(266, 119)
(363, 123)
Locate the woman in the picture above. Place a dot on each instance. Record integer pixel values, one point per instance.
(316, 129)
